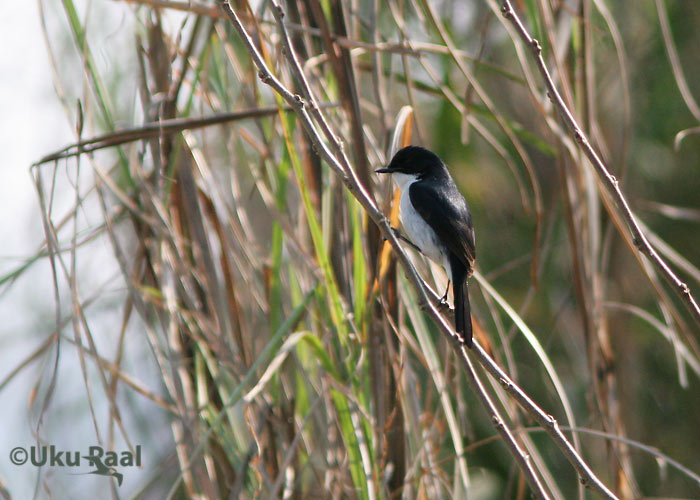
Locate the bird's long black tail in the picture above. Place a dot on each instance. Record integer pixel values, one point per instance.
(463, 317)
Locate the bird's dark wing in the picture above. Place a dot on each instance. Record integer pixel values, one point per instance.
(451, 222)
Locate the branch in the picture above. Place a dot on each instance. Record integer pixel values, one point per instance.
(546, 421)
(156, 129)
(638, 237)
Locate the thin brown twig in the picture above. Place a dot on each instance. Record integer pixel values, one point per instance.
(651, 450)
(609, 180)
(157, 129)
(523, 458)
(548, 422)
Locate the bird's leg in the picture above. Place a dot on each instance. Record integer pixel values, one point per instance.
(400, 236)
(443, 300)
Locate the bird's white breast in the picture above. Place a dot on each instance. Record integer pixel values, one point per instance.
(417, 230)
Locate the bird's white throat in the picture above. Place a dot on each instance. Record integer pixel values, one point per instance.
(403, 180)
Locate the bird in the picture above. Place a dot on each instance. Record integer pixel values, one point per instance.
(103, 470)
(437, 222)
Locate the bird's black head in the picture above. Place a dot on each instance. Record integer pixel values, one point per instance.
(412, 160)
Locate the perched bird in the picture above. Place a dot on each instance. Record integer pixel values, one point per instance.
(437, 222)
(102, 469)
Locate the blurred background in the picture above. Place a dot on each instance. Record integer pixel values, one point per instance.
(181, 271)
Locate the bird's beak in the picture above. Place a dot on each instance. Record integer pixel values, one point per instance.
(383, 171)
